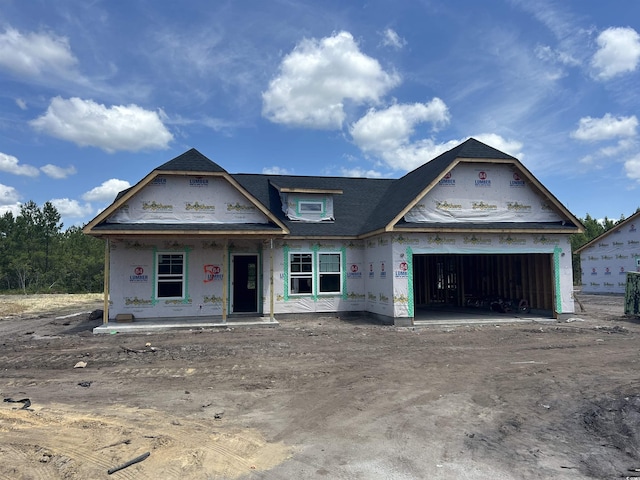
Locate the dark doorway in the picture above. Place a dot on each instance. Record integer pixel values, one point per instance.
(476, 280)
(245, 284)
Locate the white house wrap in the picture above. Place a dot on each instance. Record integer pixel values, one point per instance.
(192, 240)
(171, 199)
(606, 260)
(483, 193)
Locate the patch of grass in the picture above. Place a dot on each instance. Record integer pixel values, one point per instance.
(37, 305)
(9, 308)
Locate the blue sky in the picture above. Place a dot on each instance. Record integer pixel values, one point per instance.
(96, 94)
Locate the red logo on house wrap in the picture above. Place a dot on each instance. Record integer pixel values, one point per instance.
(212, 272)
(403, 266)
(447, 180)
(138, 275)
(354, 271)
(483, 180)
(516, 177)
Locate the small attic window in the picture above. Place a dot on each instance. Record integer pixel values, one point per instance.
(307, 207)
(311, 206)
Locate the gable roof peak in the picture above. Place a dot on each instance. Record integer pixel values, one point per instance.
(472, 148)
(191, 161)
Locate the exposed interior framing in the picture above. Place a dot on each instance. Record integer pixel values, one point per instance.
(474, 280)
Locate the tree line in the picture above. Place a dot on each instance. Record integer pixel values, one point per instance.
(37, 256)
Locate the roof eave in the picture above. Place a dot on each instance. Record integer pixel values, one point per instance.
(102, 217)
(195, 233)
(479, 229)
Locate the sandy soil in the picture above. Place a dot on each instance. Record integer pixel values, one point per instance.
(322, 398)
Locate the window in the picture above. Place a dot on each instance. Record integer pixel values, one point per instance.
(301, 266)
(170, 275)
(307, 206)
(303, 273)
(329, 272)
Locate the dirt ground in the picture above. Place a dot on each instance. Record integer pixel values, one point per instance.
(320, 398)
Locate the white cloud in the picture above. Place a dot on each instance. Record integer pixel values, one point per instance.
(53, 171)
(411, 156)
(116, 128)
(71, 208)
(623, 145)
(275, 170)
(216, 124)
(510, 147)
(14, 209)
(387, 133)
(22, 105)
(35, 54)
(10, 164)
(391, 39)
(548, 54)
(619, 52)
(318, 77)
(359, 172)
(598, 157)
(107, 191)
(632, 168)
(605, 128)
(8, 196)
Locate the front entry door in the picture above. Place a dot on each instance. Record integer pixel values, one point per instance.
(245, 283)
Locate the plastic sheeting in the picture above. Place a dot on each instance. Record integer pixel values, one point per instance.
(308, 207)
(482, 193)
(170, 199)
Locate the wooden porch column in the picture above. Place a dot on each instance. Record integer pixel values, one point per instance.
(225, 279)
(105, 308)
(271, 300)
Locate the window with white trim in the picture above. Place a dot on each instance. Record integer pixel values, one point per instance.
(304, 272)
(170, 279)
(311, 206)
(308, 207)
(301, 273)
(329, 273)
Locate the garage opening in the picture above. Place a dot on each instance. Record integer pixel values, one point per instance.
(483, 281)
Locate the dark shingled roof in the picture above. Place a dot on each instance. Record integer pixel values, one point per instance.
(351, 208)
(365, 206)
(192, 161)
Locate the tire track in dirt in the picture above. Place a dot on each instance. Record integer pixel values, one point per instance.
(60, 438)
(19, 454)
(79, 445)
